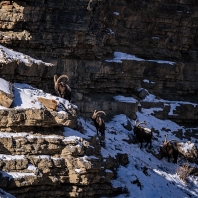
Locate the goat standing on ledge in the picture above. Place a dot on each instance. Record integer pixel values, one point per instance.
(99, 122)
(143, 133)
(170, 150)
(63, 90)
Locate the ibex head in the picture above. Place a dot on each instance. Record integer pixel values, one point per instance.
(63, 90)
(165, 140)
(95, 114)
(57, 79)
(137, 125)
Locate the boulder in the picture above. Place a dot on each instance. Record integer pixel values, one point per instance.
(50, 104)
(143, 93)
(189, 151)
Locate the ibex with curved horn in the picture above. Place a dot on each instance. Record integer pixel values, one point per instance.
(99, 122)
(143, 133)
(63, 90)
(170, 150)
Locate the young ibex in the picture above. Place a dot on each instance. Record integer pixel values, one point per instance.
(63, 90)
(170, 150)
(99, 122)
(143, 133)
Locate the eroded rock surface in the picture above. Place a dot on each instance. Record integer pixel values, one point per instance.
(189, 151)
(77, 38)
(69, 165)
(35, 117)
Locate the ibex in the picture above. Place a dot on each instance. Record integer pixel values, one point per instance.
(170, 150)
(63, 90)
(99, 122)
(143, 133)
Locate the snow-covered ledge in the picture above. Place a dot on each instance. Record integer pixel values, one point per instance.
(6, 93)
(33, 107)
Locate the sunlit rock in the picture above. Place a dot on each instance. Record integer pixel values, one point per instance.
(49, 104)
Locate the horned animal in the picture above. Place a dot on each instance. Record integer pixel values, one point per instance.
(169, 150)
(143, 133)
(99, 122)
(63, 89)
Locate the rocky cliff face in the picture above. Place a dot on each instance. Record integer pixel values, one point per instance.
(41, 155)
(77, 38)
(90, 29)
(54, 166)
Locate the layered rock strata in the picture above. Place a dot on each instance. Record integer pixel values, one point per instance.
(35, 117)
(90, 29)
(54, 165)
(68, 34)
(77, 37)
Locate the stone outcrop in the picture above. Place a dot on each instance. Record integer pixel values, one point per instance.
(189, 151)
(10, 118)
(108, 104)
(105, 80)
(47, 155)
(178, 111)
(72, 166)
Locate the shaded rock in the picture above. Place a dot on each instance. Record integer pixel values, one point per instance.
(122, 158)
(78, 96)
(194, 171)
(143, 93)
(127, 125)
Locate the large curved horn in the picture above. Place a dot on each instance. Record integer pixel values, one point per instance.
(56, 84)
(62, 76)
(171, 141)
(100, 112)
(165, 140)
(55, 79)
(94, 113)
(141, 123)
